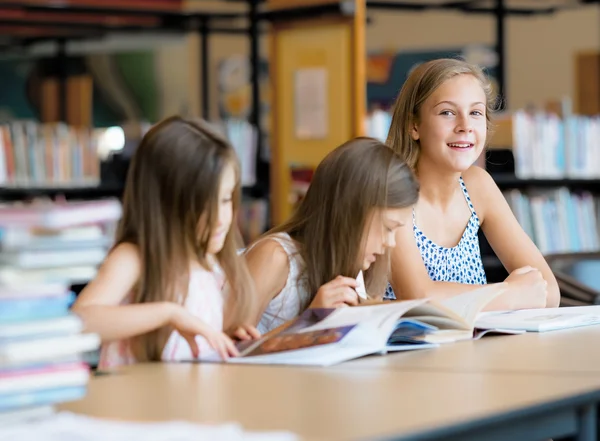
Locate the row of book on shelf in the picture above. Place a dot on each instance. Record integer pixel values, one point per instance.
(48, 155)
(46, 248)
(38, 155)
(544, 144)
(558, 220)
(548, 146)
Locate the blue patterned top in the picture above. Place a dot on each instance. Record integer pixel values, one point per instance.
(461, 263)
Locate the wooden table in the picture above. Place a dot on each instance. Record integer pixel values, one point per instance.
(565, 352)
(347, 402)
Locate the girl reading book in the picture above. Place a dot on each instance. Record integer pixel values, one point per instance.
(173, 281)
(440, 125)
(361, 194)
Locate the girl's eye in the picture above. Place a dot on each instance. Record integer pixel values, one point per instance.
(478, 112)
(446, 113)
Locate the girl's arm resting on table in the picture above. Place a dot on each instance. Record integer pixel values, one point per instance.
(99, 303)
(269, 267)
(509, 241)
(409, 279)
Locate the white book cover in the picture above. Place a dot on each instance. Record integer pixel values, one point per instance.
(13, 276)
(541, 320)
(46, 349)
(53, 258)
(25, 415)
(67, 325)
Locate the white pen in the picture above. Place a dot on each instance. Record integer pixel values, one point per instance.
(361, 289)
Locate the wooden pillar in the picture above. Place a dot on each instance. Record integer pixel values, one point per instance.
(318, 86)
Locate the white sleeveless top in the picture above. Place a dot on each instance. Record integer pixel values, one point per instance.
(204, 300)
(289, 303)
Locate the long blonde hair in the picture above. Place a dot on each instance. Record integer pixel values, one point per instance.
(173, 180)
(329, 224)
(420, 84)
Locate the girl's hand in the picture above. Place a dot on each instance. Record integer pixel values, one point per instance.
(189, 326)
(339, 292)
(527, 288)
(246, 332)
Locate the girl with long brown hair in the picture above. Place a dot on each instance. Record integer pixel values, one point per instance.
(441, 123)
(173, 281)
(360, 194)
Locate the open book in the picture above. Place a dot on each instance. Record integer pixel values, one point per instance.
(541, 320)
(328, 336)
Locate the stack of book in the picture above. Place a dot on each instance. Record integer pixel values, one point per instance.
(45, 249)
(41, 351)
(49, 242)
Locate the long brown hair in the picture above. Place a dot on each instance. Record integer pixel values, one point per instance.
(329, 223)
(173, 180)
(419, 86)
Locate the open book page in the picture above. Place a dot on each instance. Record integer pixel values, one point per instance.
(321, 347)
(470, 304)
(328, 336)
(437, 315)
(540, 320)
(324, 355)
(458, 312)
(417, 331)
(289, 340)
(376, 314)
(452, 319)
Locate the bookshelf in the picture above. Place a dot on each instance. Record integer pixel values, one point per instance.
(508, 180)
(108, 190)
(67, 97)
(97, 18)
(553, 187)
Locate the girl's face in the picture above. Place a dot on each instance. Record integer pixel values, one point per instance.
(452, 125)
(225, 211)
(381, 231)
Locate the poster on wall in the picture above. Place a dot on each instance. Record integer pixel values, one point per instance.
(310, 103)
(387, 70)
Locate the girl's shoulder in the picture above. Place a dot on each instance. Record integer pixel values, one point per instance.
(126, 254)
(482, 189)
(477, 176)
(277, 248)
(117, 277)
